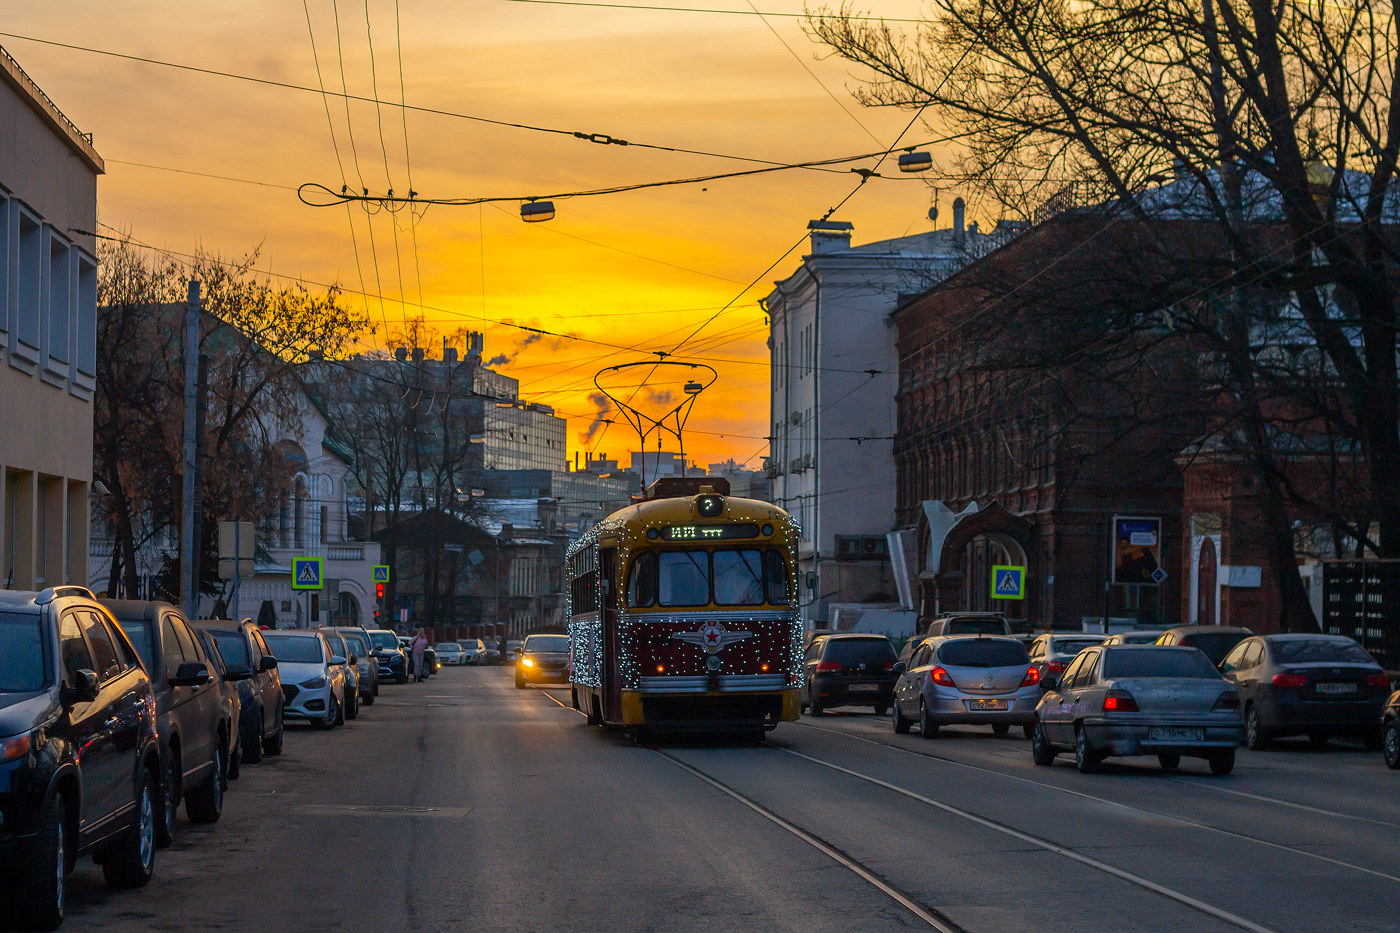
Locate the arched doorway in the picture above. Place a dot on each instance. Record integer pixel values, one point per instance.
(1206, 576)
(979, 556)
(978, 542)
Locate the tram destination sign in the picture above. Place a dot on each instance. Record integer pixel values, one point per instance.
(709, 532)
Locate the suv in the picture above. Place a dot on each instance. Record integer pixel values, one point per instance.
(387, 652)
(79, 754)
(242, 645)
(358, 641)
(969, 623)
(194, 727)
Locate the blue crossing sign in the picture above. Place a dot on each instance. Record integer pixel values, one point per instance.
(1008, 582)
(306, 573)
(381, 573)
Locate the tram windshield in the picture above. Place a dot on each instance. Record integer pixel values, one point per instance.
(679, 578)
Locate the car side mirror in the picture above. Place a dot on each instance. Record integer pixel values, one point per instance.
(268, 663)
(900, 667)
(354, 659)
(236, 672)
(191, 674)
(86, 686)
(1048, 683)
(338, 660)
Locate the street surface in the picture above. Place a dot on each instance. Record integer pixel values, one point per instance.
(465, 804)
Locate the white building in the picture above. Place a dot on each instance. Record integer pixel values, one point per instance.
(48, 335)
(834, 375)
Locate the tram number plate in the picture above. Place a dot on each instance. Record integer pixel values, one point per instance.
(978, 706)
(1336, 688)
(864, 688)
(1168, 734)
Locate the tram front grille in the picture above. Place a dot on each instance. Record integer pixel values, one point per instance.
(712, 710)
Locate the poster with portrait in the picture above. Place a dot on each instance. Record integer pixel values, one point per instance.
(1137, 551)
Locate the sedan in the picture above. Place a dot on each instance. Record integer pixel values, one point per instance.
(1051, 653)
(313, 679)
(1215, 640)
(1313, 685)
(449, 653)
(543, 659)
(1129, 700)
(973, 680)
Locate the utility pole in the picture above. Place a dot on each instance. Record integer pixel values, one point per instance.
(189, 594)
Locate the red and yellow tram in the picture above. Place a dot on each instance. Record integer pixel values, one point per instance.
(682, 613)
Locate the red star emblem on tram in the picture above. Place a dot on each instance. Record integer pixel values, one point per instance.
(712, 637)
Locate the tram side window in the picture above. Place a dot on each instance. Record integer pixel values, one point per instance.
(775, 578)
(584, 590)
(641, 588)
(683, 578)
(738, 578)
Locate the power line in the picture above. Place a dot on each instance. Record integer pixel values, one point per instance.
(684, 9)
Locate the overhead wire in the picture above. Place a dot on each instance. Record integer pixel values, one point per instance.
(384, 154)
(684, 9)
(407, 157)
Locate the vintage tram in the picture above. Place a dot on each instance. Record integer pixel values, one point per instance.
(682, 613)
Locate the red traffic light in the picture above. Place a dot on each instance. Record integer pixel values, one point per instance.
(379, 590)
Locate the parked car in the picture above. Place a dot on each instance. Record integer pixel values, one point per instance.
(242, 645)
(906, 653)
(1215, 641)
(350, 661)
(393, 663)
(1132, 638)
(1313, 685)
(1129, 700)
(850, 670)
(449, 653)
(967, 680)
(492, 654)
(513, 648)
(195, 730)
(969, 623)
(357, 640)
(473, 650)
(1390, 731)
(79, 754)
(543, 659)
(228, 681)
(1051, 653)
(313, 680)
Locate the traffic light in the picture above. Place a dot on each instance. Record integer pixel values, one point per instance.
(379, 591)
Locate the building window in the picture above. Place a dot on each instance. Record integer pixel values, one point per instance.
(4, 269)
(59, 299)
(27, 288)
(87, 315)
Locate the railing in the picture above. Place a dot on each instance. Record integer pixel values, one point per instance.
(345, 552)
(98, 548)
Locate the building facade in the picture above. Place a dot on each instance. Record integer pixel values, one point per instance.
(48, 335)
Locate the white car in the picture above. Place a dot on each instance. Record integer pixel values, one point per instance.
(449, 654)
(313, 678)
(473, 651)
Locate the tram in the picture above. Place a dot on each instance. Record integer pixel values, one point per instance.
(682, 613)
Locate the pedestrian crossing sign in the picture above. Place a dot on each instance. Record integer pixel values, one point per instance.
(306, 573)
(381, 573)
(1008, 582)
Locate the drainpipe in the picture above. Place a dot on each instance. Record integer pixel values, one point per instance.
(816, 422)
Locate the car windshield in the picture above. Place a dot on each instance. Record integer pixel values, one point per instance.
(975, 627)
(384, 639)
(859, 651)
(1073, 645)
(555, 643)
(1323, 650)
(139, 632)
(294, 649)
(356, 642)
(1215, 645)
(22, 667)
(232, 647)
(983, 652)
(1157, 662)
(448, 646)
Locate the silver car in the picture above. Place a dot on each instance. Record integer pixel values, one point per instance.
(1125, 700)
(967, 679)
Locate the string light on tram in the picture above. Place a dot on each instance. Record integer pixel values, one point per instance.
(533, 212)
(912, 161)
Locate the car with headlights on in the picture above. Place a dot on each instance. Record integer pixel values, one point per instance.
(313, 679)
(1215, 640)
(850, 670)
(340, 648)
(1052, 652)
(79, 755)
(1126, 700)
(389, 654)
(544, 659)
(977, 680)
(243, 646)
(358, 641)
(1307, 684)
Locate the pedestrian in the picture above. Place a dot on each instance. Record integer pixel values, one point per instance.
(501, 649)
(419, 645)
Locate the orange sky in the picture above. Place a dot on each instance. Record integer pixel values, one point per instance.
(701, 81)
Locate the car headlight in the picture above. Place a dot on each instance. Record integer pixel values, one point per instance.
(314, 683)
(16, 747)
(527, 662)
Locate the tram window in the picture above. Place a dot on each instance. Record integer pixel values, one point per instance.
(683, 578)
(775, 577)
(641, 588)
(738, 578)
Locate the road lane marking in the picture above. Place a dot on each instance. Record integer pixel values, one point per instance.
(1125, 806)
(938, 923)
(1163, 890)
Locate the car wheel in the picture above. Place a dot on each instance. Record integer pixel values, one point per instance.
(519, 682)
(901, 725)
(1028, 730)
(42, 876)
(206, 804)
(1222, 761)
(131, 862)
(1085, 758)
(881, 710)
(339, 718)
(273, 744)
(1318, 739)
(1390, 744)
(328, 720)
(352, 705)
(401, 678)
(1001, 728)
(927, 729)
(233, 769)
(169, 801)
(368, 698)
(1042, 752)
(253, 751)
(1254, 735)
(1169, 761)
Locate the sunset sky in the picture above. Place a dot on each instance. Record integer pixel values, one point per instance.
(705, 81)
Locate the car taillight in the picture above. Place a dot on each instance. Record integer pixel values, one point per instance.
(1054, 667)
(828, 666)
(1032, 677)
(1119, 701)
(889, 666)
(1290, 679)
(939, 676)
(1227, 700)
(1378, 679)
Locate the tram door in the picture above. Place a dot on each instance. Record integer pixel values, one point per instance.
(612, 689)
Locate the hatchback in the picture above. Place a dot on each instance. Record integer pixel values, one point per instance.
(850, 670)
(967, 679)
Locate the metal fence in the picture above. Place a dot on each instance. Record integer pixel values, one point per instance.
(1361, 598)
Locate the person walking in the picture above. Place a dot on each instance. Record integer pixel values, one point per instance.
(419, 645)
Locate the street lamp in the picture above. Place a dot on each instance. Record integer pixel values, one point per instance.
(915, 161)
(533, 212)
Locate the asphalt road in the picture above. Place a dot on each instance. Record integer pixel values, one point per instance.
(465, 804)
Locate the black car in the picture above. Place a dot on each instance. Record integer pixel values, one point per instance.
(850, 670)
(79, 756)
(195, 733)
(543, 659)
(393, 663)
(1390, 731)
(228, 681)
(1313, 685)
(243, 646)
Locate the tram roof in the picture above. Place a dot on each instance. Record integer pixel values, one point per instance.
(680, 509)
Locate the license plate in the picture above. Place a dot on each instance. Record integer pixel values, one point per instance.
(864, 688)
(1165, 734)
(977, 706)
(1336, 688)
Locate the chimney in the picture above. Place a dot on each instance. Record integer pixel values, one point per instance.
(417, 354)
(449, 355)
(401, 353)
(830, 236)
(959, 212)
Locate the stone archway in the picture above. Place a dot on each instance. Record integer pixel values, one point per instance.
(1014, 536)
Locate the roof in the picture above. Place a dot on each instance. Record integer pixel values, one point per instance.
(17, 600)
(678, 509)
(135, 608)
(38, 101)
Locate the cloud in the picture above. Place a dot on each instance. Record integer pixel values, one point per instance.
(661, 396)
(505, 359)
(604, 407)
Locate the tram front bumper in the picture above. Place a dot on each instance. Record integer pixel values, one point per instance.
(710, 710)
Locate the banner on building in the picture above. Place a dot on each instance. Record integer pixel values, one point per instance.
(1137, 551)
